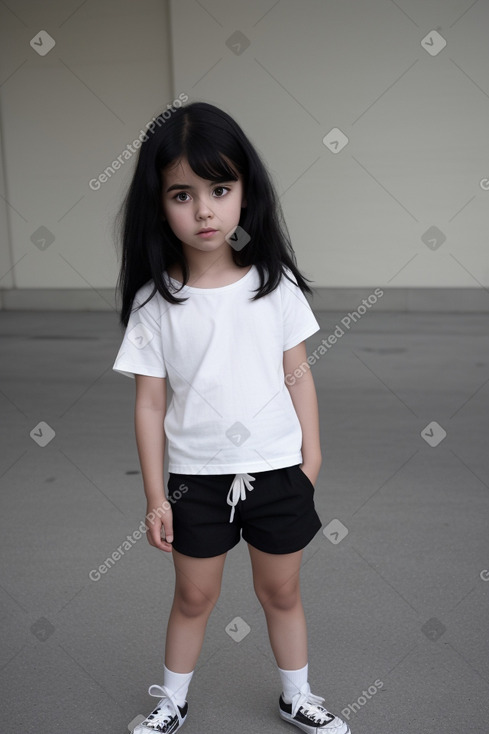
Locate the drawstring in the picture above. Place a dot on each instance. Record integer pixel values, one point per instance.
(241, 483)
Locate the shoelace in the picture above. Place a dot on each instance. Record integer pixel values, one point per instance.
(167, 705)
(241, 483)
(311, 706)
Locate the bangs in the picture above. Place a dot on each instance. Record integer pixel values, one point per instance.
(209, 163)
(207, 141)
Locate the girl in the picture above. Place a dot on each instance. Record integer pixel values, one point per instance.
(212, 300)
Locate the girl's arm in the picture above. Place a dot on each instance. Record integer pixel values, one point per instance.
(300, 383)
(149, 415)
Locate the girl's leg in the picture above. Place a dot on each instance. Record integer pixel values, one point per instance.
(277, 586)
(197, 589)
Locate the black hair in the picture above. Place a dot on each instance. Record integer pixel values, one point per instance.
(206, 136)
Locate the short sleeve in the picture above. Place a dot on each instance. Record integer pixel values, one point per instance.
(141, 351)
(299, 321)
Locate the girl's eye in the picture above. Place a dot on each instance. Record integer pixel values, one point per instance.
(221, 188)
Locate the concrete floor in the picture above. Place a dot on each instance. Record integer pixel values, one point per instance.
(397, 608)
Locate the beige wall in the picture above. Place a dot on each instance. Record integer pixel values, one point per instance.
(417, 127)
(65, 117)
(359, 218)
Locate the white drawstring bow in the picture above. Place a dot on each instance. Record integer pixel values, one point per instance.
(241, 483)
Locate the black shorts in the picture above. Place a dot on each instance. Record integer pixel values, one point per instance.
(277, 516)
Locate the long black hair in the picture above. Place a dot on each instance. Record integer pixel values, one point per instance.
(205, 135)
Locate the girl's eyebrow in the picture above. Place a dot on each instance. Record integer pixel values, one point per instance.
(176, 187)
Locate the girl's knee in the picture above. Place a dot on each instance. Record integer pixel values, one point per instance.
(192, 601)
(283, 598)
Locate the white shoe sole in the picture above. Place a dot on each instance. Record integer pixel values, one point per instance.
(140, 729)
(312, 729)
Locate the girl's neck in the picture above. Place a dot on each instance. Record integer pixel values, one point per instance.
(210, 277)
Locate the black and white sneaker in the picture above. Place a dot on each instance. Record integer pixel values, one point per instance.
(167, 717)
(306, 712)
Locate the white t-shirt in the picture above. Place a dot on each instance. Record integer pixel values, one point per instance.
(231, 411)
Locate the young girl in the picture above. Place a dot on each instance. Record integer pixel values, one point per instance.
(212, 300)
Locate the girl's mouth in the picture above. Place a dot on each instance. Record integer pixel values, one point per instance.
(207, 232)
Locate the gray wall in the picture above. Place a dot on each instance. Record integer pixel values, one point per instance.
(402, 206)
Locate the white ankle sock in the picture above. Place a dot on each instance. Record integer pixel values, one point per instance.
(178, 683)
(292, 681)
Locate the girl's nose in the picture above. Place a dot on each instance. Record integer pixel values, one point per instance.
(203, 207)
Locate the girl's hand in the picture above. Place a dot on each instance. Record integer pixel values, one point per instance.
(311, 472)
(157, 519)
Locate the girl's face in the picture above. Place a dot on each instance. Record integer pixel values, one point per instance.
(192, 204)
